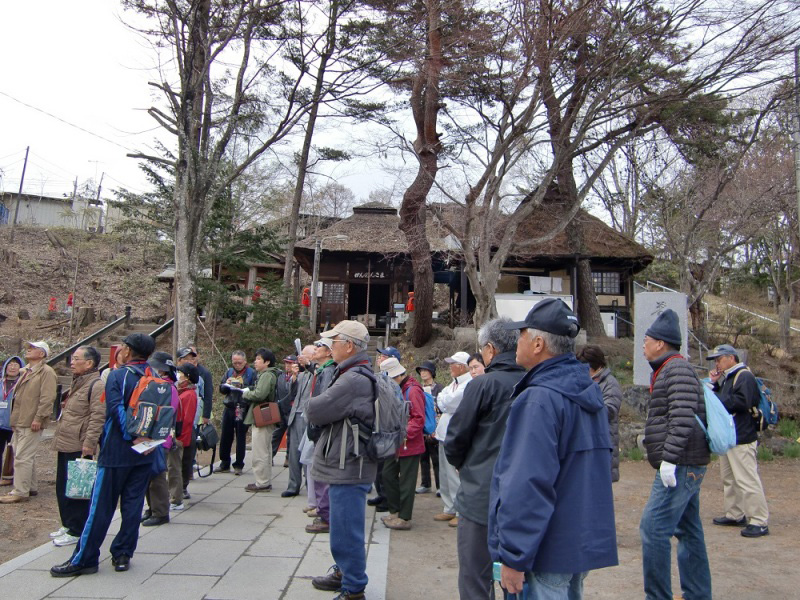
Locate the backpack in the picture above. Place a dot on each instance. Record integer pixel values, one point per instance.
(721, 432)
(207, 439)
(391, 420)
(150, 413)
(430, 414)
(766, 413)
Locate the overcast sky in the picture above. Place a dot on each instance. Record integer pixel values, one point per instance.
(78, 62)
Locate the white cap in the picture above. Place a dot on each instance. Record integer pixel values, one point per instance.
(352, 329)
(392, 367)
(42, 345)
(461, 358)
(327, 342)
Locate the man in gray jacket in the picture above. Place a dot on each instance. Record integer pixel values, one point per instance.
(351, 395)
(297, 422)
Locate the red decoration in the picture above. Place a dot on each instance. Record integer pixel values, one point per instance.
(256, 293)
(52, 306)
(69, 299)
(306, 300)
(410, 303)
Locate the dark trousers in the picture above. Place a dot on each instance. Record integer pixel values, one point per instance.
(73, 512)
(158, 495)
(474, 561)
(379, 479)
(277, 436)
(123, 485)
(188, 460)
(399, 481)
(231, 427)
(431, 455)
(5, 438)
(295, 434)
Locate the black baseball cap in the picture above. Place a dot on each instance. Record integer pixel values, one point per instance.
(184, 352)
(191, 372)
(551, 315)
(141, 343)
(161, 361)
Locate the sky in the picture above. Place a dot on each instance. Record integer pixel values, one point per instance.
(78, 62)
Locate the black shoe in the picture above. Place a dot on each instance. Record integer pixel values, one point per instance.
(382, 508)
(332, 582)
(289, 494)
(146, 515)
(754, 531)
(730, 522)
(121, 562)
(67, 569)
(186, 495)
(153, 521)
(376, 500)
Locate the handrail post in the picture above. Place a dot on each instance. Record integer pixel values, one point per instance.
(127, 315)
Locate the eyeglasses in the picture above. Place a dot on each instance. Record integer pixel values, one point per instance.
(342, 341)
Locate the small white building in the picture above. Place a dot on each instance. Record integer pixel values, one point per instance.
(45, 211)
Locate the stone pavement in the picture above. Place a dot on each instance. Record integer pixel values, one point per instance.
(228, 544)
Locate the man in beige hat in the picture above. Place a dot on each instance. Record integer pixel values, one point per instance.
(33, 403)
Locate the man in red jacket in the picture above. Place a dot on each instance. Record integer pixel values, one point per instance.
(188, 376)
(400, 471)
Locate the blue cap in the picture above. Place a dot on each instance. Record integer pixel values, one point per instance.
(391, 351)
(551, 315)
(723, 350)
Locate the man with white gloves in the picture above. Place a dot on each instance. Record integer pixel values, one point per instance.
(676, 446)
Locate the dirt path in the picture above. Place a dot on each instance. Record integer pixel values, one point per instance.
(423, 564)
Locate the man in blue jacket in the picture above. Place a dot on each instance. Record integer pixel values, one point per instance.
(551, 520)
(122, 473)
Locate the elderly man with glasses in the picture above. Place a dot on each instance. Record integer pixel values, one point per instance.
(350, 395)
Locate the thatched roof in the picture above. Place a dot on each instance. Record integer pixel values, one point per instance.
(375, 228)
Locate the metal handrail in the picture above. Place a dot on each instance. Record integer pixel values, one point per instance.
(65, 354)
(753, 314)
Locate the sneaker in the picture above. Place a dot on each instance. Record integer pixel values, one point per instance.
(319, 526)
(398, 523)
(176, 506)
(308, 509)
(66, 540)
(423, 490)
(223, 469)
(388, 517)
(237, 470)
(345, 595)
(186, 495)
(332, 582)
(444, 517)
(312, 513)
(754, 531)
(56, 534)
(730, 522)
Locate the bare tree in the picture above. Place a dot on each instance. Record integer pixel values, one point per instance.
(218, 82)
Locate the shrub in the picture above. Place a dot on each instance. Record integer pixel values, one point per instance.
(792, 450)
(634, 453)
(788, 428)
(765, 454)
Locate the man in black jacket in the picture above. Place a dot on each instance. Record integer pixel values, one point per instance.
(743, 493)
(473, 441)
(676, 446)
(284, 396)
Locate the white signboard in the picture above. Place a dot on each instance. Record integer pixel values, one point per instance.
(647, 308)
(517, 306)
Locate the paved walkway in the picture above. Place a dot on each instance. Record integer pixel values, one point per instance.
(228, 544)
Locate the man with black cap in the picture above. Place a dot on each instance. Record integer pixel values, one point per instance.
(742, 491)
(284, 395)
(122, 472)
(551, 520)
(676, 446)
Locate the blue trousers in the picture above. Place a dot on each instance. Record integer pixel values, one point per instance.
(127, 486)
(348, 510)
(675, 511)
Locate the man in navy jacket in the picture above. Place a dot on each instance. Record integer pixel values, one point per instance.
(551, 520)
(122, 473)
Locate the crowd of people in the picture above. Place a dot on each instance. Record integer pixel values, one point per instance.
(523, 451)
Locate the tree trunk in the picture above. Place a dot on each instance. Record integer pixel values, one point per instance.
(785, 319)
(483, 290)
(413, 215)
(697, 312)
(588, 308)
(186, 262)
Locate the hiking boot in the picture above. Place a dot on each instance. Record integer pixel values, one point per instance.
(252, 487)
(453, 522)
(730, 522)
(186, 495)
(754, 531)
(13, 499)
(398, 523)
(319, 526)
(444, 517)
(423, 490)
(389, 517)
(332, 582)
(345, 595)
(153, 521)
(312, 513)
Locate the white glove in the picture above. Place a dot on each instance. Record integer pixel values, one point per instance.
(667, 472)
(245, 390)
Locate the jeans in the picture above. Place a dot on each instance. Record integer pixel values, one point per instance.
(675, 511)
(348, 510)
(552, 586)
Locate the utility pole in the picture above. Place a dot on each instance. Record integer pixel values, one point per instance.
(19, 195)
(796, 133)
(100, 187)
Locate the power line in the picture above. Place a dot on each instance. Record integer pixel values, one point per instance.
(44, 112)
